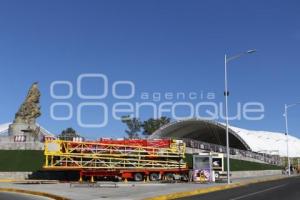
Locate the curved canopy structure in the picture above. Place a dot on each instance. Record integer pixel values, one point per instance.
(215, 132)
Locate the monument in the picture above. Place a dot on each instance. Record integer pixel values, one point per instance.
(24, 128)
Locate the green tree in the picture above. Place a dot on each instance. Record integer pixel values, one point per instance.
(68, 134)
(133, 126)
(152, 125)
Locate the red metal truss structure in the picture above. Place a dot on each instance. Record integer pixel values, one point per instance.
(115, 154)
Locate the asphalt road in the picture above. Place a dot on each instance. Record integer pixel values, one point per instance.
(285, 189)
(18, 196)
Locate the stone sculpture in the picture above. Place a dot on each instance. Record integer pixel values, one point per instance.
(30, 108)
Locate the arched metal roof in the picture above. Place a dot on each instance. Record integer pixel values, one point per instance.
(214, 132)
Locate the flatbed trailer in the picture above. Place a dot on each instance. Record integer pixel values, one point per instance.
(137, 174)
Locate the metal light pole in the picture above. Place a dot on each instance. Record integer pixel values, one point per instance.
(226, 116)
(226, 93)
(287, 133)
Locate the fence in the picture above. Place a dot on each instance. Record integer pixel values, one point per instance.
(264, 157)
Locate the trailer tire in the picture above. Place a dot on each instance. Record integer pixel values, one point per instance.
(184, 177)
(169, 177)
(138, 177)
(154, 177)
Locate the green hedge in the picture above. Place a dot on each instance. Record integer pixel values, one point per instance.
(242, 165)
(21, 160)
(189, 160)
(33, 160)
(238, 165)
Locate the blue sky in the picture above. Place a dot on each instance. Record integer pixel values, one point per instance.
(161, 46)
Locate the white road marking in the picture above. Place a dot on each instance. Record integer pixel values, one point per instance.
(258, 192)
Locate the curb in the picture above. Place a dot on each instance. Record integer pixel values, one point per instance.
(42, 194)
(212, 189)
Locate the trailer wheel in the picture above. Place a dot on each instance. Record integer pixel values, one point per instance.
(169, 177)
(184, 177)
(154, 177)
(138, 176)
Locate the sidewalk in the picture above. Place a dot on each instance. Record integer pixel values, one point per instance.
(130, 190)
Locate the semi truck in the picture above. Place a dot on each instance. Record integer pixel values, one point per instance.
(127, 159)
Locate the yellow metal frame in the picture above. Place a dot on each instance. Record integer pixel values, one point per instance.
(61, 154)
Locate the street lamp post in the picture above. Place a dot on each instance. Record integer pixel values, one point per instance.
(226, 94)
(287, 133)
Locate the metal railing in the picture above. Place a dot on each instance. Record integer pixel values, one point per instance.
(264, 157)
